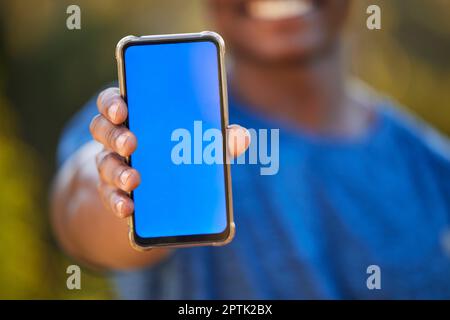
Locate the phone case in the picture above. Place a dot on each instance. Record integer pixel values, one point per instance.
(120, 67)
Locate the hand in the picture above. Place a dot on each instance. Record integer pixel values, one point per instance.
(117, 179)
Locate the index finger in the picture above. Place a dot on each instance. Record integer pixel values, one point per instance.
(111, 105)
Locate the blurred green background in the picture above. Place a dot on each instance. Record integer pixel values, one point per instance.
(48, 72)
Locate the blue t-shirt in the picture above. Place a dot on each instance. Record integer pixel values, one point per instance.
(334, 209)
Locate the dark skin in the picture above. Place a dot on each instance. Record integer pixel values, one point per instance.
(291, 69)
(286, 68)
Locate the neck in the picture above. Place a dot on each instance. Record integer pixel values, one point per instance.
(310, 95)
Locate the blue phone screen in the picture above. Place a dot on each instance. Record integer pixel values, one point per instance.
(173, 93)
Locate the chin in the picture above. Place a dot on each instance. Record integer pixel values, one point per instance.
(289, 52)
(299, 49)
(274, 31)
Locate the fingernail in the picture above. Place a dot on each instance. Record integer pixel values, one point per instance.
(124, 176)
(119, 206)
(112, 111)
(121, 140)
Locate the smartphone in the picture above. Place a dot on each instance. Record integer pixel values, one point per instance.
(175, 89)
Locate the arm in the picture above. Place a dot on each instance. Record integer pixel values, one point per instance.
(84, 226)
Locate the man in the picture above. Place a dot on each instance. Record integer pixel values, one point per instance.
(359, 183)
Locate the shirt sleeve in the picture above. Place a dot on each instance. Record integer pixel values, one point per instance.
(76, 133)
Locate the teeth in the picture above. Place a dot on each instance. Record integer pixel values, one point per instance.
(278, 9)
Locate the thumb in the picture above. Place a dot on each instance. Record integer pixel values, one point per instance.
(238, 140)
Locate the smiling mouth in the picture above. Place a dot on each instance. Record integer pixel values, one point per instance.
(279, 9)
